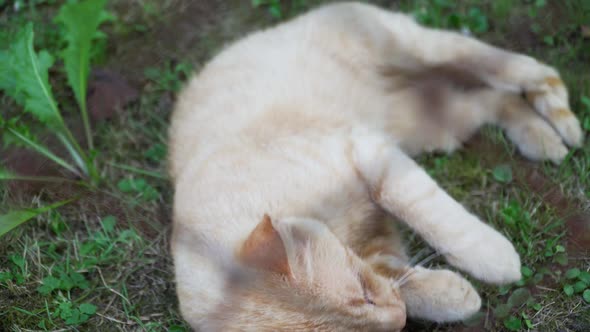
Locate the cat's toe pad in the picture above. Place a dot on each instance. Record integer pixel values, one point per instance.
(536, 140)
(550, 99)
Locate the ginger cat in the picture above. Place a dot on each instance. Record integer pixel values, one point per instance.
(290, 155)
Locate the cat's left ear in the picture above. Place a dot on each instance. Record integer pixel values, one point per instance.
(264, 249)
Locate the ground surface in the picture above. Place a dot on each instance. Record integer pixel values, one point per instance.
(109, 249)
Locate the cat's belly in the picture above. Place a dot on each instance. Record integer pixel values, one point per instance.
(226, 194)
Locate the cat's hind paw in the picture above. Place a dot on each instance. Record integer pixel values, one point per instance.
(549, 97)
(536, 140)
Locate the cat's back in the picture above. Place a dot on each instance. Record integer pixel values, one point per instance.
(299, 77)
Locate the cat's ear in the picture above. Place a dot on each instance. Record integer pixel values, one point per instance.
(264, 249)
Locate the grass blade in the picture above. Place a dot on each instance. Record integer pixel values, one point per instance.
(139, 171)
(80, 161)
(44, 151)
(6, 175)
(13, 219)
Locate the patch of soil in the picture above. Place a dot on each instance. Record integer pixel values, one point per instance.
(528, 174)
(577, 221)
(175, 36)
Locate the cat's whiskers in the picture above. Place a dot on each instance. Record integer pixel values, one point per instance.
(405, 277)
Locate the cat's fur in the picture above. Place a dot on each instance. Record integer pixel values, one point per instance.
(290, 154)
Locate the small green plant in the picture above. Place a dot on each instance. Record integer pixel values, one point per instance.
(70, 313)
(577, 282)
(169, 78)
(25, 77)
(517, 299)
(139, 188)
(18, 273)
(279, 9)
(156, 153)
(446, 14)
(67, 287)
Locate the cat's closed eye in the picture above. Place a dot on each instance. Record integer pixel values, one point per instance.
(367, 299)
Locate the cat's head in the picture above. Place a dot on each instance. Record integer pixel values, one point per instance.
(308, 280)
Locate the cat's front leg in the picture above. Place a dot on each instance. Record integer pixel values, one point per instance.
(405, 190)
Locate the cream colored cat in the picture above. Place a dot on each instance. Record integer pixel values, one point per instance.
(290, 154)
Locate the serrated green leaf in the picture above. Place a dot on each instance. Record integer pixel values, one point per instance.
(81, 21)
(66, 310)
(51, 282)
(30, 73)
(87, 308)
(73, 318)
(585, 277)
(78, 280)
(586, 295)
(7, 81)
(65, 282)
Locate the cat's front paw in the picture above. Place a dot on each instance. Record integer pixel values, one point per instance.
(439, 295)
(486, 255)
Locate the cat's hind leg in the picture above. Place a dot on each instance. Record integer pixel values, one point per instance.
(407, 46)
(535, 138)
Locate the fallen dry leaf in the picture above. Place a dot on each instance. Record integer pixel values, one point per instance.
(108, 93)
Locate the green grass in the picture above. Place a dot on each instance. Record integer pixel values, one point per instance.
(102, 263)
